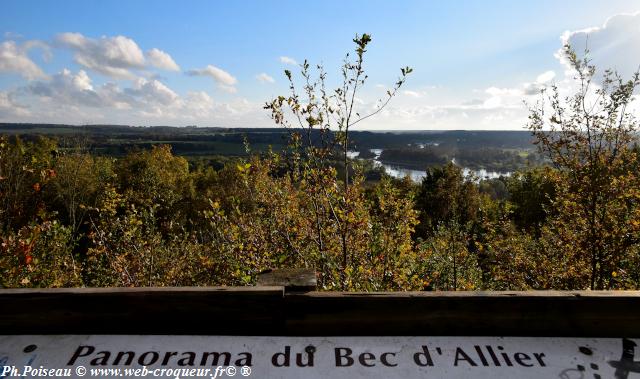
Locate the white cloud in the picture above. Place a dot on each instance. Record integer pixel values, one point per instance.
(472, 102)
(502, 98)
(438, 117)
(615, 45)
(439, 108)
(12, 35)
(511, 97)
(111, 56)
(69, 88)
(422, 92)
(72, 97)
(218, 74)
(224, 80)
(14, 59)
(495, 91)
(287, 60)
(114, 56)
(264, 78)
(152, 91)
(542, 81)
(113, 96)
(199, 104)
(10, 108)
(415, 94)
(546, 77)
(228, 89)
(162, 60)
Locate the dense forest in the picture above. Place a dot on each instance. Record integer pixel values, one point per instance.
(71, 216)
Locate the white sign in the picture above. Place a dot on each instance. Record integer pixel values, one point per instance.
(81, 356)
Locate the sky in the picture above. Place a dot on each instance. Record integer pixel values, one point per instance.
(476, 64)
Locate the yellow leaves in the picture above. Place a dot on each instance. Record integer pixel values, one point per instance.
(243, 167)
(135, 222)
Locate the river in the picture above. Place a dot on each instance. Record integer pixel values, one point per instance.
(418, 175)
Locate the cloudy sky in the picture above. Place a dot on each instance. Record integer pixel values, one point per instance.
(215, 63)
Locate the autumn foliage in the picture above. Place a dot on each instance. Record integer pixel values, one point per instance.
(71, 218)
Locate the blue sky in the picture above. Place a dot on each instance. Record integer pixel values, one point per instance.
(475, 62)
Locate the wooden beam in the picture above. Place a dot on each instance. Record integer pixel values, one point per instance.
(272, 311)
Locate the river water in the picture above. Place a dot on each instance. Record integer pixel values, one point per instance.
(418, 175)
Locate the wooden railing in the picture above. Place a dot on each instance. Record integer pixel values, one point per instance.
(274, 310)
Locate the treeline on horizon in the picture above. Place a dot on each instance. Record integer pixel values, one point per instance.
(501, 151)
(360, 140)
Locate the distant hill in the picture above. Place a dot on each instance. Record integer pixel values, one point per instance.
(190, 140)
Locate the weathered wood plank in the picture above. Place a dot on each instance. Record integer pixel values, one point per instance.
(293, 279)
